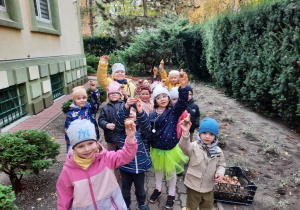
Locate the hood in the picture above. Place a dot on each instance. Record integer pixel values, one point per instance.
(71, 163)
(74, 107)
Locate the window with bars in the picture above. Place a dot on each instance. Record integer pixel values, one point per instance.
(42, 10)
(2, 5)
(57, 85)
(11, 105)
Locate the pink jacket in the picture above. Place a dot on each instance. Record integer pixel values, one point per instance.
(97, 187)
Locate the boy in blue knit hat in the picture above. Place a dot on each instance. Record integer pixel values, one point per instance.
(206, 166)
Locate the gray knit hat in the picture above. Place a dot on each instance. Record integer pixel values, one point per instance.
(80, 131)
(159, 89)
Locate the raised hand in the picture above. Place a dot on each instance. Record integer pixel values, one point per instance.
(130, 101)
(183, 78)
(154, 72)
(139, 105)
(130, 129)
(185, 127)
(104, 59)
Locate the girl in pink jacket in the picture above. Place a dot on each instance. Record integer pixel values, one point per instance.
(87, 180)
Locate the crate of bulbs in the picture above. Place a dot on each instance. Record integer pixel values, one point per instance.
(235, 187)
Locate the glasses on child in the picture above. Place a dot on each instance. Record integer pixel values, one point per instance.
(115, 93)
(161, 97)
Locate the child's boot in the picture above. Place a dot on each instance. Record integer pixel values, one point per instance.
(170, 202)
(155, 195)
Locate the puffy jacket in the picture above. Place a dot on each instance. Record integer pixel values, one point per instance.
(104, 81)
(169, 84)
(108, 115)
(87, 112)
(165, 136)
(96, 187)
(202, 169)
(142, 161)
(193, 109)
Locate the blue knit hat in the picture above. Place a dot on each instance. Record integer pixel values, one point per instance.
(209, 125)
(80, 131)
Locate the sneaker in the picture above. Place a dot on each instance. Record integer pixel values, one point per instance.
(170, 202)
(141, 207)
(155, 195)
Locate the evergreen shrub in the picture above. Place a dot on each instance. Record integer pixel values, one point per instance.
(26, 152)
(99, 45)
(7, 198)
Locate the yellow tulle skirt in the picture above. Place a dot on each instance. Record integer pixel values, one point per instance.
(168, 161)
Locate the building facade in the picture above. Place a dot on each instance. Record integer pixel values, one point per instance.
(41, 55)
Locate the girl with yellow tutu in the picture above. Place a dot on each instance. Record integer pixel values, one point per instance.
(167, 158)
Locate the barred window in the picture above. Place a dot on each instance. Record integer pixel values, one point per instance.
(42, 10)
(2, 5)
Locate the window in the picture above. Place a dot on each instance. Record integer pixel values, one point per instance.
(2, 5)
(42, 10)
(11, 105)
(44, 16)
(10, 14)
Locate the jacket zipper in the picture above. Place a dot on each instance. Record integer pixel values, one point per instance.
(136, 166)
(113, 203)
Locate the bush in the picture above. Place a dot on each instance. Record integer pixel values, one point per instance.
(7, 198)
(66, 105)
(91, 70)
(92, 60)
(26, 152)
(99, 46)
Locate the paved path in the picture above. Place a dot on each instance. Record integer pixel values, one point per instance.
(42, 119)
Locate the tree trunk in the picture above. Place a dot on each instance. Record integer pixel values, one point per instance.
(91, 16)
(15, 182)
(145, 8)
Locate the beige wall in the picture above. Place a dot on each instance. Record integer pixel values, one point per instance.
(15, 43)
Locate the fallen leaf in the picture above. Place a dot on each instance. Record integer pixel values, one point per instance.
(290, 193)
(228, 128)
(39, 199)
(226, 135)
(224, 124)
(286, 153)
(261, 135)
(235, 155)
(242, 154)
(52, 193)
(234, 207)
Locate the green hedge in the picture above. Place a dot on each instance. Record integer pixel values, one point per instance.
(99, 46)
(253, 56)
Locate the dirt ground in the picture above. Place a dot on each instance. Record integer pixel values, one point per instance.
(265, 148)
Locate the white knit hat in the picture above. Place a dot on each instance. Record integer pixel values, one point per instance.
(174, 93)
(159, 89)
(80, 131)
(117, 67)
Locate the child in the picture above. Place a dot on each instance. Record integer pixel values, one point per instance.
(118, 73)
(193, 109)
(134, 172)
(87, 180)
(81, 109)
(167, 158)
(145, 95)
(108, 113)
(172, 80)
(206, 166)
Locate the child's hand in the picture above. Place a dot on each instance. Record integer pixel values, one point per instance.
(183, 78)
(139, 84)
(104, 59)
(110, 126)
(161, 66)
(218, 177)
(185, 127)
(130, 101)
(139, 105)
(154, 72)
(130, 131)
(123, 91)
(92, 85)
(163, 82)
